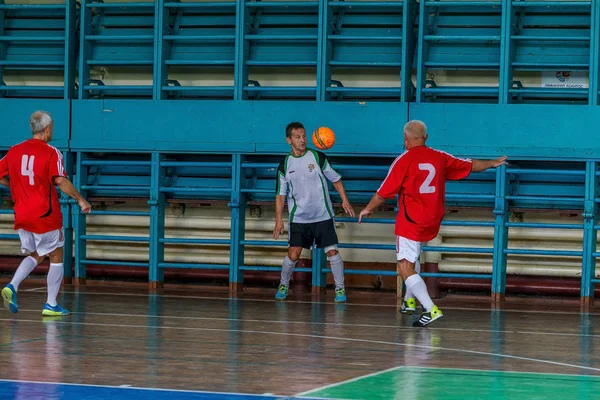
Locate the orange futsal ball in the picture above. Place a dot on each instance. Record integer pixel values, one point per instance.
(323, 138)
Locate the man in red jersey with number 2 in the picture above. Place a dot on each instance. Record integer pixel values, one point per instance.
(418, 176)
(32, 169)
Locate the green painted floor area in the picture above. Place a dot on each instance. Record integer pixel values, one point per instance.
(437, 383)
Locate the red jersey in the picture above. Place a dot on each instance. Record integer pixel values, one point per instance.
(418, 176)
(32, 165)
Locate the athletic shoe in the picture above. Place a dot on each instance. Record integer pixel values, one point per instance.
(282, 292)
(340, 295)
(408, 306)
(53, 311)
(428, 317)
(9, 294)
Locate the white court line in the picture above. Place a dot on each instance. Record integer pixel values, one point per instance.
(357, 378)
(503, 371)
(382, 342)
(33, 290)
(325, 302)
(264, 321)
(412, 368)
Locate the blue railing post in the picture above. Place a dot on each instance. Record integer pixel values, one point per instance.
(590, 234)
(69, 93)
(594, 76)
(506, 53)
(160, 69)
(157, 222)
(500, 236)
(323, 53)
(79, 222)
(421, 50)
(65, 208)
(70, 49)
(409, 10)
(84, 49)
(241, 51)
(238, 225)
(319, 277)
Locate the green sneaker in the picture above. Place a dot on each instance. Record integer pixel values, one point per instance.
(9, 295)
(408, 306)
(428, 317)
(340, 295)
(282, 292)
(54, 311)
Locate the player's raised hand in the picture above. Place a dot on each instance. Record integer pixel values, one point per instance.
(364, 213)
(278, 230)
(500, 161)
(85, 206)
(348, 208)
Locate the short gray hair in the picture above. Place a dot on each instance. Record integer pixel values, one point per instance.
(39, 121)
(416, 129)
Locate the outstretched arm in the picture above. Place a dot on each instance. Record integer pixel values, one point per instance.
(67, 188)
(376, 202)
(391, 187)
(339, 186)
(482, 165)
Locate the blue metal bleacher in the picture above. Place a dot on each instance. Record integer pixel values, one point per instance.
(208, 178)
(26, 46)
(278, 36)
(459, 36)
(470, 68)
(368, 36)
(114, 37)
(102, 178)
(197, 39)
(542, 39)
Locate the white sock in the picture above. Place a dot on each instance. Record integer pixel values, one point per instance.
(55, 275)
(419, 289)
(408, 294)
(287, 269)
(27, 265)
(337, 269)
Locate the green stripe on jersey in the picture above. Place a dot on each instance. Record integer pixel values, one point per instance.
(293, 211)
(325, 196)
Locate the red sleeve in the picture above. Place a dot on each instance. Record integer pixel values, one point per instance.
(457, 168)
(57, 167)
(4, 166)
(393, 181)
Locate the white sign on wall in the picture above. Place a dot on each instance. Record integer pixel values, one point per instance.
(564, 79)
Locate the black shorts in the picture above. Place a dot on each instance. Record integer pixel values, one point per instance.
(322, 233)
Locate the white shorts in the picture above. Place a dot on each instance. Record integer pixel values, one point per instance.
(407, 249)
(43, 244)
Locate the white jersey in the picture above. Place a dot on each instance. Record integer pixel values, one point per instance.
(302, 179)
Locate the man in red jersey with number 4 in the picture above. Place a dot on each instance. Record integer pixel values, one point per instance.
(418, 176)
(32, 169)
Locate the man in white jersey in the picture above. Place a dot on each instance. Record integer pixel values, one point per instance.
(301, 178)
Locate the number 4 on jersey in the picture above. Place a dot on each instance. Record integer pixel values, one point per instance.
(27, 167)
(426, 186)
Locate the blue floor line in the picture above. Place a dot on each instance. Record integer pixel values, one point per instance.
(27, 390)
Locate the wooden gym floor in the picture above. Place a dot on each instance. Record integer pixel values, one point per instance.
(121, 342)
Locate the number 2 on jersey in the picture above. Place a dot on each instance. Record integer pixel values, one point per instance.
(426, 186)
(27, 167)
